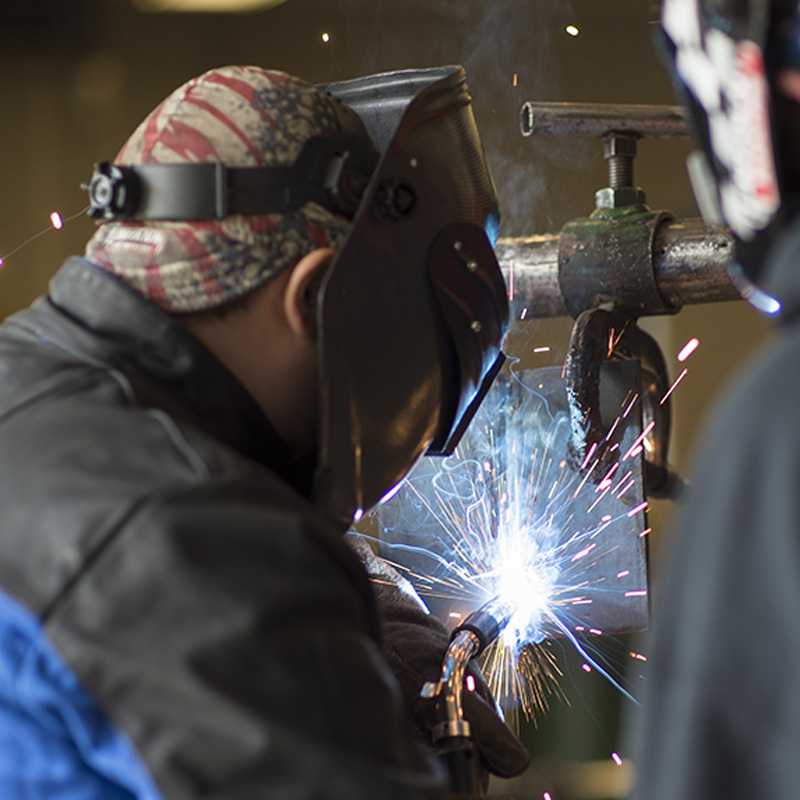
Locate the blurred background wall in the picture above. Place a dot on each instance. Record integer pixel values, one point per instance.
(78, 76)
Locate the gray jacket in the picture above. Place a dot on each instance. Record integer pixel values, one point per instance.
(721, 718)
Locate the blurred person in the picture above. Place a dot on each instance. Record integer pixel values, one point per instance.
(195, 414)
(721, 713)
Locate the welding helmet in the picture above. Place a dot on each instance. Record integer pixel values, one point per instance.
(414, 308)
(724, 56)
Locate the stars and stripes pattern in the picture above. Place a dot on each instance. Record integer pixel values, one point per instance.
(242, 116)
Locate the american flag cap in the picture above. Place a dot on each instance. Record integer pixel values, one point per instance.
(242, 116)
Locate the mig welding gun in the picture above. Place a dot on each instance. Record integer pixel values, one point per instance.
(451, 734)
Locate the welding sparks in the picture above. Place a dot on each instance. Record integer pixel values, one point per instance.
(572, 30)
(617, 759)
(688, 349)
(642, 436)
(507, 518)
(326, 37)
(641, 507)
(56, 223)
(673, 387)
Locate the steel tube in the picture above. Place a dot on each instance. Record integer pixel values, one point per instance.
(599, 119)
(691, 260)
(530, 267)
(691, 263)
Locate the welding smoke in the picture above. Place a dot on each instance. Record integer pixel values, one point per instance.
(512, 52)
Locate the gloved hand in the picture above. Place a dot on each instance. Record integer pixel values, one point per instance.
(415, 643)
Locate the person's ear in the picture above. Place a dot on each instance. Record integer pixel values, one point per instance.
(788, 82)
(302, 290)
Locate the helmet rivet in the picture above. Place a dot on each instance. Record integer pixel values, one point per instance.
(472, 266)
(414, 163)
(456, 245)
(476, 326)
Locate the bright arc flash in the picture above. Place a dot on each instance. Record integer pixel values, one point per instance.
(572, 30)
(326, 37)
(617, 759)
(688, 349)
(56, 221)
(525, 579)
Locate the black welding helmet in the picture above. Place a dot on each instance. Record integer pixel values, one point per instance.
(414, 308)
(724, 56)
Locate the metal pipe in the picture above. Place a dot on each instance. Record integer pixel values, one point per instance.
(530, 267)
(691, 260)
(599, 119)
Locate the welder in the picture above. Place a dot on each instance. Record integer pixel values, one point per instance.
(721, 716)
(290, 297)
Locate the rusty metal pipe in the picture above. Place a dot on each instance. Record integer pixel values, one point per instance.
(691, 260)
(600, 119)
(530, 267)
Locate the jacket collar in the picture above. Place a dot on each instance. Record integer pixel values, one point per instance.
(114, 324)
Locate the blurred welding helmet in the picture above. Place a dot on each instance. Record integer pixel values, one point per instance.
(414, 308)
(726, 57)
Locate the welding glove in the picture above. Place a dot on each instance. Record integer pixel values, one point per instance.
(415, 643)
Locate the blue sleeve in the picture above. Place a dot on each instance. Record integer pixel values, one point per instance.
(55, 741)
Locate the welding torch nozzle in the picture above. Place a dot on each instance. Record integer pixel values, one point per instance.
(488, 622)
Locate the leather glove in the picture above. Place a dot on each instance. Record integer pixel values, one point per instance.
(415, 643)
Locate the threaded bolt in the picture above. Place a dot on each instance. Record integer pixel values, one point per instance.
(620, 172)
(620, 150)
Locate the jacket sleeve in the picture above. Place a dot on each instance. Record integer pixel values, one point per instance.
(228, 636)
